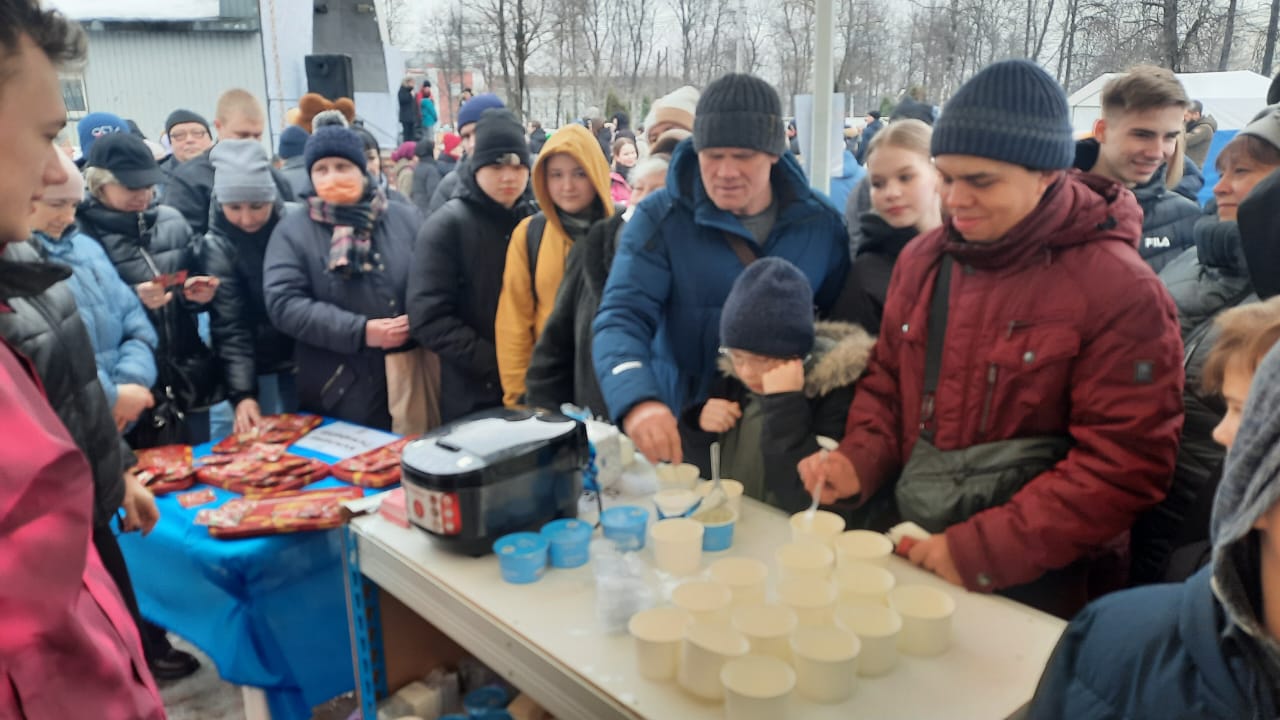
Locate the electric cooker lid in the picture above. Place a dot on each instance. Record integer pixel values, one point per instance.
(484, 439)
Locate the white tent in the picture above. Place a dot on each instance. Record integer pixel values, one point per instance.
(1232, 98)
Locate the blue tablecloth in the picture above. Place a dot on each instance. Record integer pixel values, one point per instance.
(271, 612)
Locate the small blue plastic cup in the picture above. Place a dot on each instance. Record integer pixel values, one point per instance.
(522, 556)
(717, 535)
(625, 526)
(569, 540)
(479, 703)
(502, 714)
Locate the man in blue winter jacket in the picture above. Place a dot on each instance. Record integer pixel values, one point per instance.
(733, 194)
(1133, 143)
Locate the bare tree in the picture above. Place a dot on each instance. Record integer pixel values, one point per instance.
(689, 16)
(1228, 36)
(1269, 53)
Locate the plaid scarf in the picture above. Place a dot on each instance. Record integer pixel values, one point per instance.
(351, 249)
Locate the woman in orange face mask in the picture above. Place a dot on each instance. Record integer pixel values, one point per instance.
(334, 278)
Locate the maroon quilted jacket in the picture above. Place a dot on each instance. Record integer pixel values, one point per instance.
(1059, 328)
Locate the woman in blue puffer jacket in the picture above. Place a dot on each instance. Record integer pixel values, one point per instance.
(124, 340)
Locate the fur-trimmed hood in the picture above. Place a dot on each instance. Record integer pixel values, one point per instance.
(840, 355)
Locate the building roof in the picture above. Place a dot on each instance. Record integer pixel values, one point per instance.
(138, 9)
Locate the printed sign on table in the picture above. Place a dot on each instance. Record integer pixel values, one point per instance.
(341, 440)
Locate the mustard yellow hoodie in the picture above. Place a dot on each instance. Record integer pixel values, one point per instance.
(520, 318)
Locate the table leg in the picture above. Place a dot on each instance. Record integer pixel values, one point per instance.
(365, 620)
(255, 703)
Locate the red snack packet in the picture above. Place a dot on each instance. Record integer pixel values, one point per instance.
(376, 468)
(289, 513)
(284, 429)
(199, 497)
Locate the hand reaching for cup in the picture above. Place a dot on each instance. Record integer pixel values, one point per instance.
(652, 427)
(387, 333)
(833, 471)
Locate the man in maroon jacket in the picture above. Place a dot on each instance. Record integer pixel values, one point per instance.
(68, 646)
(1054, 328)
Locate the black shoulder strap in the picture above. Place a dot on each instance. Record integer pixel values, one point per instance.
(938, 307)
(532, 244)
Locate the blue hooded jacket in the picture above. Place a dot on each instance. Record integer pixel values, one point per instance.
(1198, 649)
(124, 340)
(657, 330)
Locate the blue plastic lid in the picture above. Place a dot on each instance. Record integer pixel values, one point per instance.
(480, 701)
(624, 516)
(521, 544)
(567, 530)
(500, 714)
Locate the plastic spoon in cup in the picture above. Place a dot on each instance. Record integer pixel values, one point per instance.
(827, 444)
(716, 496)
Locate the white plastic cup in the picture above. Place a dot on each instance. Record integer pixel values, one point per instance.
(878, 629)
(861, 583)
(674, 502)
(706, 600)
(676, 477)
(862, 546)
(768, 628)
(704, 651)
(804, 559)
(823, 527)
(658, 633)
(626, 450)
(732, 489)
(926, 619)
(826, 662)
(813, 598)
(757, 688)
(746, 578)
(677, 545)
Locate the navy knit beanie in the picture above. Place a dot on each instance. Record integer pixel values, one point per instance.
(1012, 111)
(769, 311)
(740, 111)
(334, 141)
(472, 109)
(293, 141)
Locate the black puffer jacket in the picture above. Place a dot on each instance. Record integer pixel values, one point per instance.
(46, 327)
(325, 312)
(427, 176)
(1204, 281)
(243, 336)
(1168, 218)
(861, 300)
(453, 293)
(408, 105)
(142, 245)
(561, 369)
(189, 190)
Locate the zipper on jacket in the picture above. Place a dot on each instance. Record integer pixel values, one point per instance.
(993, 372)
(324, 389)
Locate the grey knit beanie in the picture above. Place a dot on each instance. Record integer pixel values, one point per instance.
(1011, 111)
(769, 310)
(241, 172)
(740, 111)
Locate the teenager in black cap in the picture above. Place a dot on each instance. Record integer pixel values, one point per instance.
(459, 260)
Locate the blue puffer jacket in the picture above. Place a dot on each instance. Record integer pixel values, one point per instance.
(658, 328)
(1163, 652)
(124, 340)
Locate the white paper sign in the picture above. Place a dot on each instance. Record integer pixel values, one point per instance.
(341, 440)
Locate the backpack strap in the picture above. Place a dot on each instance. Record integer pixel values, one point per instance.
(746, 255)
(938, 309)
(533, 243)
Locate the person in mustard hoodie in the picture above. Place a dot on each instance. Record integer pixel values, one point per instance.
(571, 183)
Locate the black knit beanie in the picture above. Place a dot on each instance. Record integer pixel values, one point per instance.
(769, 310)
(740, 111)
(334, 141)
(1012, 111)
(498, 134)
(178, 117)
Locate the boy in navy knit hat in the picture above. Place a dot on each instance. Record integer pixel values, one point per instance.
(1049, 415)
(786, 380)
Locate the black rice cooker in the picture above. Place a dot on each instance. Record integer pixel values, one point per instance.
(494, 472)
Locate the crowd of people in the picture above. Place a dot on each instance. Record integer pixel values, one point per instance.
(1039, 348)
